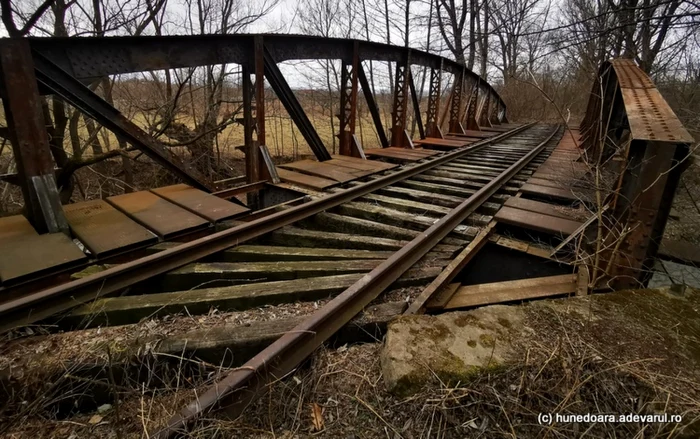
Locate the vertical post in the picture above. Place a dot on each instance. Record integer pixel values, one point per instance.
(398, 113)
(431, 115)
(456, 103)
(254, 114)
(348, 101)
(259, 48)
(30, 142)
(250, 142)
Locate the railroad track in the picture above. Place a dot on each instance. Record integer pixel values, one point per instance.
(394, 230)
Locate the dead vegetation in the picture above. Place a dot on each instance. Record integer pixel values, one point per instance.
(570, 365)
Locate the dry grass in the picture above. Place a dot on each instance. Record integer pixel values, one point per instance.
(610, 361)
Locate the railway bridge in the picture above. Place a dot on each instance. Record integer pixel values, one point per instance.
(474, 210)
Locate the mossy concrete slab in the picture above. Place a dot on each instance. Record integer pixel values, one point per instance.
(630, 326)
(451, 346)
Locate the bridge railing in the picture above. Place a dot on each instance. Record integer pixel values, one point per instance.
(631, 132)
(31, 67)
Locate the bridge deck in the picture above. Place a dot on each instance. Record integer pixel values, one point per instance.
(106, 227)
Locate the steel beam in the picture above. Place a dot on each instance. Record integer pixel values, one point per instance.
(29, 139)
(373, 107)
(293, 107)
(84, 99)
(88, 58)
(416, 104)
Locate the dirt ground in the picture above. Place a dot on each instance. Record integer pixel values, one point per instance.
(611, 354)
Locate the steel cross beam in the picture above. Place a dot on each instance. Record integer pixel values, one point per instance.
(293, 107)
(373, 107)
(348, 103)
(81, 97)
(416, 104)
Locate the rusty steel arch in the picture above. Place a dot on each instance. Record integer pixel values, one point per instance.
(64, 66)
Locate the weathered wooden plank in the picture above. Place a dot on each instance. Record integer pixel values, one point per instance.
(447, 179)
(131, 309)
(523, 289)
(440, 290)
(215, 274)
(401, 219)
(322, 169)
(214, 345)
(365, 227)
(679, 251)
(262, 253)
(422, 196)
(560, 194)
(540, 207)
(437, 188)
(310, 181)
(536, 221)
(311, 238)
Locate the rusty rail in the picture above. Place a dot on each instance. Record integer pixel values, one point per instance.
(242, 385)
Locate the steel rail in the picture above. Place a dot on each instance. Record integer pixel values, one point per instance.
(243, 384)
(41, 304)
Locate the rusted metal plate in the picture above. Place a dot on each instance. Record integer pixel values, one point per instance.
(14, 226)
(401, 154)
(104, 229)
(536, 221)
(299, 179)
(497, 129)
(25, 255)
(321, 169)
(629, 75)
(441, 143)
(160, 216)
(199, 202)
(360, 164)
(651, 118)
(462, 138)
(473, 133)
